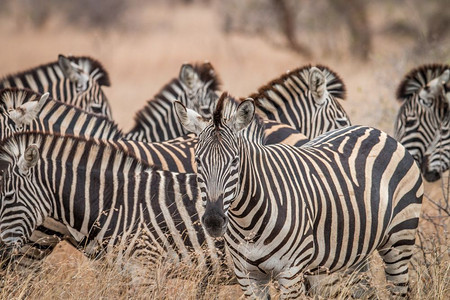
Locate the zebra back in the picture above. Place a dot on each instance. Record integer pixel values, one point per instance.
(305, 98)
(76, 80)
(416, 79)
(195, 87)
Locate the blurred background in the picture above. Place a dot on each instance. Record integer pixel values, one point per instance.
(142, 44)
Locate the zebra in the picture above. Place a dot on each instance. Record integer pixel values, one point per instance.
(425, 95)
(26, 110)
(195, 87)
(77, 80)
(104, 197)
(286, 212)
(437, 158)
(305, 98)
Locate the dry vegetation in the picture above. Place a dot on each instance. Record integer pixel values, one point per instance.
(147, 49)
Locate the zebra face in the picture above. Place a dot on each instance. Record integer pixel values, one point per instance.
(199, 93)
(437, 157)
(19, 216)
(419, 122)
(218, 154)
(19, 108)
(85, 85)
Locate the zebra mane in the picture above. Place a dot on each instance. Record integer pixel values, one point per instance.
(218, 112)
(418, 78)
(87, 63)
(13, 146)
(335, 85)
(206, 74)
(226, 109)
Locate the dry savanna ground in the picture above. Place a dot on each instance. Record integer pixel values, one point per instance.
(143, 59)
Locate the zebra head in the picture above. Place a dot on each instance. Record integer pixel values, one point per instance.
(217, 154)
(200, 83)
(424, 109)
(437, 157)
(19, 107)
(86, 78)
(20, 212)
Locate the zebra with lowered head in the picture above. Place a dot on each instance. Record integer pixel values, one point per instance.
(425, 96)
(104, 197)
(287, 212)
(76, 80)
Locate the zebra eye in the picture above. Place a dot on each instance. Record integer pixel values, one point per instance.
(197, 161)
(235, 161)
(410, 122)
(425, 102)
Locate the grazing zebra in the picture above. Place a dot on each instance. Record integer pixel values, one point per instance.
(287, 212)
(102, 195)
(75, 80)
(306, 99)
(425, 96)
(195, 87)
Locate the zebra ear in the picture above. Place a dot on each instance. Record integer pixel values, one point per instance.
(27, 112)
(244, 114)
(190, 120)
(29, 159)
(445, 77)
(73, 72)
(317, 85)
(188, 76)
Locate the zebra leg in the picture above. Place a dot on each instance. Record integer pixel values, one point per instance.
(396, 254)
(255, 285)
(292, 284)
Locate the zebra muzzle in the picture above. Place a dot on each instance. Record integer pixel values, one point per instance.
(214, 220)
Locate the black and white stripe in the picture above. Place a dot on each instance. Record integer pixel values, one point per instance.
(76, 80)
(102, 195)
(286, 212)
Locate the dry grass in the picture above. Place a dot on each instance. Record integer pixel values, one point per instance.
(149, 54)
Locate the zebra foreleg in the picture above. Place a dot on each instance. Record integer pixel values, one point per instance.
(396, 261)
(292, 284)
(254, 286)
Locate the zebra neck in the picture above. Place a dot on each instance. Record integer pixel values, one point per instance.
(250, 195)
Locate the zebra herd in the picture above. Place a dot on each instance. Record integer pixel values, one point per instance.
(293, 188)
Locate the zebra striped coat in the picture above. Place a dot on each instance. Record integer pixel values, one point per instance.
(425, 97)
(195, 87)
(76, 80)
(286, 212)
(101, 194)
